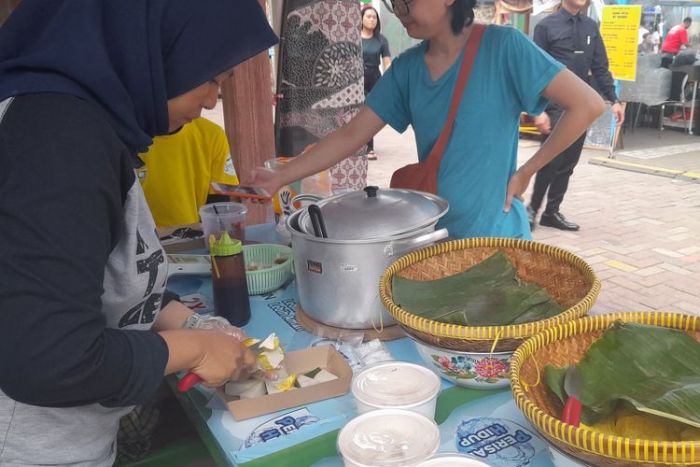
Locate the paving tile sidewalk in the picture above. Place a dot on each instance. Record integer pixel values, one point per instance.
(669, 154)
(684, 166)
(640, 233)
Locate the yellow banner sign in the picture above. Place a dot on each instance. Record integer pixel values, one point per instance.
(620, 30)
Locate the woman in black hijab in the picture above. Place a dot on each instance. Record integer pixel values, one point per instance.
(86, 327)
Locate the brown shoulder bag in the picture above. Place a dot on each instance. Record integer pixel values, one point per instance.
(422, 176)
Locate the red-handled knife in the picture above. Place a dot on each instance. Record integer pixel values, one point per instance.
(189, 381)
(572, 386)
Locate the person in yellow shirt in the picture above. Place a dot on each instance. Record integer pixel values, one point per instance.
(179, 169)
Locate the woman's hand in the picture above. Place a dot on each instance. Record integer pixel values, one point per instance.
(217, 323)
(224, 358)
(516, 188)
(543, 123)
(618, 113)
(214, 356)
(261, 177)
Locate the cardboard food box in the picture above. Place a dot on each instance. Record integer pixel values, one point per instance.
(302, 361)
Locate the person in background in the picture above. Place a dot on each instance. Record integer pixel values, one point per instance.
(574, 40)
(87, 329)
(179, 168)
(655, 36)
(675, 41)
(647, 45)
(643, 29)
(375, 51)
(477, 173)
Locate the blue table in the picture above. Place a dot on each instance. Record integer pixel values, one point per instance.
(306, 435)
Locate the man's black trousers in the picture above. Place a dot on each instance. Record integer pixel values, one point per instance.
(553, 178)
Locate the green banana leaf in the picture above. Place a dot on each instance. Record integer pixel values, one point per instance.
(488, 294)
(653, 369)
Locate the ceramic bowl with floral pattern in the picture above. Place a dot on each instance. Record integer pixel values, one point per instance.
(467, 369)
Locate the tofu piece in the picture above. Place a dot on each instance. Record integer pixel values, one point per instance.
(271, 342)
(270, 359)
(324, 375)
(248, 389)
(273, 386)
(305, 381)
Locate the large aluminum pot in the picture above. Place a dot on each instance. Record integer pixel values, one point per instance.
(338, 279)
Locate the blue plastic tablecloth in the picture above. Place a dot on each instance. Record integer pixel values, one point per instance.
(506, 438)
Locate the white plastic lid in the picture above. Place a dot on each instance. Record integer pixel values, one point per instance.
(388, 437)
(395, 385)
(451, 460)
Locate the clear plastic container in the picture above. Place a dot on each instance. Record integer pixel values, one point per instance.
(388, 438)
(396, 385)
(229, 216)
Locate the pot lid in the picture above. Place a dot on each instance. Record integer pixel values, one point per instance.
(376, 213)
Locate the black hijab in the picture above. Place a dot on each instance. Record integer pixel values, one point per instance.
(128, 56)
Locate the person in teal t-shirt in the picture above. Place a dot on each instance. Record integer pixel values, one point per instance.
(478, 172)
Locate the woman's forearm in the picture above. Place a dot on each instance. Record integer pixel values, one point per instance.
(172, 316)
(581, 106)
(334, 148)
(184, 350)
(570, 127)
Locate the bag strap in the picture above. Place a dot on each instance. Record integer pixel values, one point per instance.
(462, 80)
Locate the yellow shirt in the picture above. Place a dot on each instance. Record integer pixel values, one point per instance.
(179, 168)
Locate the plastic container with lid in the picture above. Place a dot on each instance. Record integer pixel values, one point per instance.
(227, 216)
(388, 438)
(396, 385)
(451, 459)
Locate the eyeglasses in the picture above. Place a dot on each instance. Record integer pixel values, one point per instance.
(399, 7)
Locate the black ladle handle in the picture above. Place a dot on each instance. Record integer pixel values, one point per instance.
(317, 221)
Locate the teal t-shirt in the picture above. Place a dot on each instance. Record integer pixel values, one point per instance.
(508, 77)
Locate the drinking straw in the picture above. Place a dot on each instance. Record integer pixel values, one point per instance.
(221, 223)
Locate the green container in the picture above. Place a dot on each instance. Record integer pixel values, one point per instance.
(270, 278)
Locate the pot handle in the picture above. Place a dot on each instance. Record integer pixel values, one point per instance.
(306, 197)
(399, 247)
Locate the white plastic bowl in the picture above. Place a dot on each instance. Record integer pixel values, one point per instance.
(388, 438)
(452, 459)
(467, 369)
(396, 385)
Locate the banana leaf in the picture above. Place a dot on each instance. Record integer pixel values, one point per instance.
(488, 294)
(654, 370)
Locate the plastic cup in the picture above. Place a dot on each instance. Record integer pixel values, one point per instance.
(218, 217)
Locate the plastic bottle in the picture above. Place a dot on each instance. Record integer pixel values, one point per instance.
(228, 279)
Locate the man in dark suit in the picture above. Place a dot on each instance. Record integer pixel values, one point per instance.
(573, 39)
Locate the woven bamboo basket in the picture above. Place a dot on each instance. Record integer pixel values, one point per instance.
(567, 278)
(566, 344)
